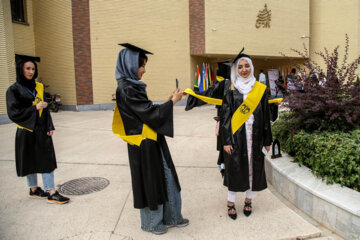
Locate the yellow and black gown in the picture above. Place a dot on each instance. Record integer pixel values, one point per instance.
(236, 176)
(34, 150)
(146, 165)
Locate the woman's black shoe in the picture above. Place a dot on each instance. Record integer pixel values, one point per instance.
(57, 198)
(38, 193)
(232, 215)
(247, 205)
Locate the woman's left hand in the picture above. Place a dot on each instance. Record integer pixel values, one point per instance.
(50, 133)
(267, 148)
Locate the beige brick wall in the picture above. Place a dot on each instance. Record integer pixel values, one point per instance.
(54, 45)
(330, 21)
(7, 67)
(235, 20)
(161, 27)
(24, 39)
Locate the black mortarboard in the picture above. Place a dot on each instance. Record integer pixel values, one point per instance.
(24, 58)
(134, 48)
(240, 55)
(224, 63)
(224, 69)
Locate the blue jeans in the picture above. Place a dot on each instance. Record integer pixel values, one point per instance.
(48, 180)
(168, 213)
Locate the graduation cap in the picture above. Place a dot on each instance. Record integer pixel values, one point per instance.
(240, 55)
(224, 69)
(24, 58)
(223, 65)
(135, 48)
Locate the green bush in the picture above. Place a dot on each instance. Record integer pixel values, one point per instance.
(282, 130)
(333, 156)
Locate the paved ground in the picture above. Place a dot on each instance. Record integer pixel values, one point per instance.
(86, 147)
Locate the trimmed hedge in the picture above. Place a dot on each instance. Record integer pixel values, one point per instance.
(333, 156)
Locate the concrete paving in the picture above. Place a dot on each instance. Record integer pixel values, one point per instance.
(86, 147)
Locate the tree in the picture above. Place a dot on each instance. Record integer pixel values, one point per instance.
(329, 101)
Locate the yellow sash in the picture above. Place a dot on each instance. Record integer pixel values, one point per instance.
(214, 101)
(275, 100)
(119, 130)
(245, 110)
(38, 98)
(220, 79)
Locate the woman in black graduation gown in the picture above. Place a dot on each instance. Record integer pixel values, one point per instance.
(216, 91)
(155, 184)
(34, 150)
(244, 144)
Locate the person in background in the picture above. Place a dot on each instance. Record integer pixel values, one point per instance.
(322, 79)
(262, 77)
(291, 80)
(299, 83)
(34, 149)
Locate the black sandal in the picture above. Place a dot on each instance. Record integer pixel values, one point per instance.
(247, 205)
(232, 215)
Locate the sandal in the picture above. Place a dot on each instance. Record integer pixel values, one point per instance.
(232, 215)
(247, 205)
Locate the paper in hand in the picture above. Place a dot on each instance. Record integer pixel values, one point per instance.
(264, 151)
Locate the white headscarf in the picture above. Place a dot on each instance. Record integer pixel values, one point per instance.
(243, 85)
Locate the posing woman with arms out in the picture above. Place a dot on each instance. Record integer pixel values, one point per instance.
(245, 130)
(34, 150)
(144, 125)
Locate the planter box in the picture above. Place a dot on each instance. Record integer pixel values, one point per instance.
(335, 207)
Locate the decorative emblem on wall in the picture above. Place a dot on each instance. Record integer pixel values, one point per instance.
(263, 18)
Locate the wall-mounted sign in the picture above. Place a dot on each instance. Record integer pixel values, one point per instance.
(263, 18)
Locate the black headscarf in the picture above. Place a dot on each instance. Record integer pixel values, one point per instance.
(20, 78)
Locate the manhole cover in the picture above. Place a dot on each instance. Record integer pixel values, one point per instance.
(84, 185)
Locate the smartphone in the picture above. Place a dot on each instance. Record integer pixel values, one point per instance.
(177, 83)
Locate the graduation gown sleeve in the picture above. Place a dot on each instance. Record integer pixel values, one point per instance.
(225, 119)
(159, 117)
(20, 112)
(267, 133)
(216, 91)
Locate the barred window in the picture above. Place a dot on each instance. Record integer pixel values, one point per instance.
(18, 11)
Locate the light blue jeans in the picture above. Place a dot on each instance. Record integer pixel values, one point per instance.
(48, 180)
(166, 214)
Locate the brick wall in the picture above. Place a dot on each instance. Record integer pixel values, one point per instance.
(82, 51)
(197, 26)
(160, 26)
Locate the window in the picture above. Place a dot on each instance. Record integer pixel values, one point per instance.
(18, 11)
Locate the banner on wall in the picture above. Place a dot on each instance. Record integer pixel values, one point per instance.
(273, 75)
